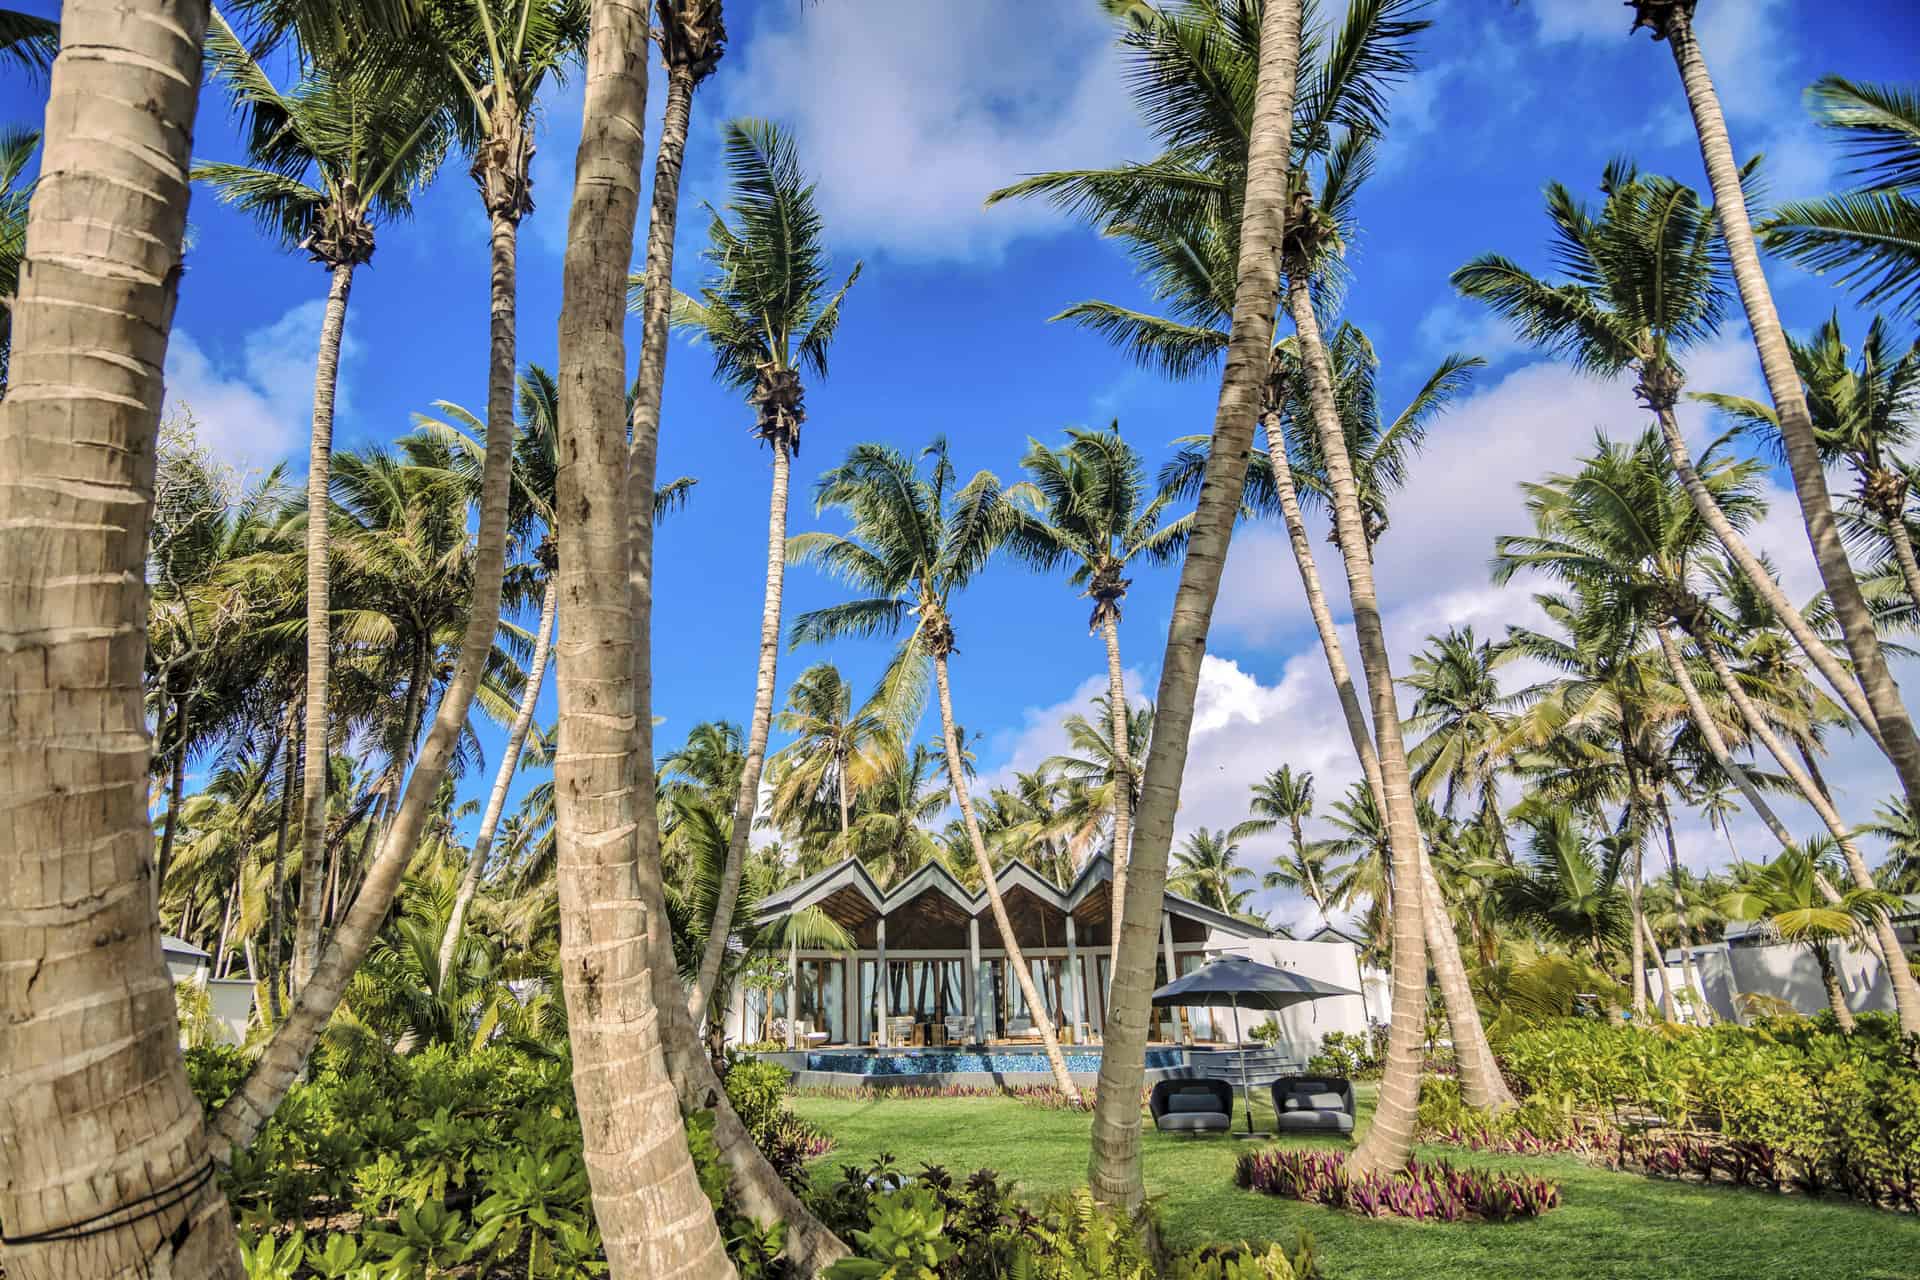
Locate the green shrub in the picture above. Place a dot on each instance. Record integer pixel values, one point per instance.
(1357, 1057)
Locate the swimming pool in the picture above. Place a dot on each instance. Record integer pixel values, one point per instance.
(946, 1061)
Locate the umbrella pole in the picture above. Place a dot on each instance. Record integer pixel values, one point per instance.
(1246, 1094)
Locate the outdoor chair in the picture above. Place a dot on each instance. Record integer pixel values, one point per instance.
(804, 1034)
(1022, 1029)
(1313, 1104)
(1192, 1106)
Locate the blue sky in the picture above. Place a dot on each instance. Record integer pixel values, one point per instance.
(908, 112)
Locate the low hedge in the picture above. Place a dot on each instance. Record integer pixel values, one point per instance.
(1788, 1103)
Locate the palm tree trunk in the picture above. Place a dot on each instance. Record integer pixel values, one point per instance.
(1906, 994)
(1836, 998)
(1637, 952)
(1481, 1084)
(1896, 732)
(243, 1115)
(1015, 961)
(226, 928)
(106, 1170)
(1824, 660)
(762, 1195)
(1389, 1142)
(654, 1217)
(313, 801)
(509, 759)
(845, 803)
(1669, 1006)
(747, 802)
(176, 784)
(276, 943)
(1122, 778)
(1697, 989)
(1113, 1166)
(1902, 544)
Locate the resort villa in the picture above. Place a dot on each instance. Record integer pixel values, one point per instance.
(947, 983)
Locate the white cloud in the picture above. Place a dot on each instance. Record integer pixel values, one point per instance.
(254, 407)
(1470, 329)
(908, 114)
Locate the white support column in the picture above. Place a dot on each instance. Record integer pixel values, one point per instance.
(1173, 970)
(880, 983)
(1076, 997)
(793, 991)
(973, 978)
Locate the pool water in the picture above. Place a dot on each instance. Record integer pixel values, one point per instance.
(942, 1061)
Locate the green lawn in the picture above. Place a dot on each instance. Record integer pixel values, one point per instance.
(1610, 1226)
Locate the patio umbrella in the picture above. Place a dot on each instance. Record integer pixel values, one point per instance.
(1239, 983)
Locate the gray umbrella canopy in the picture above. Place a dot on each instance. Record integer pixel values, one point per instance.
(1245, 984)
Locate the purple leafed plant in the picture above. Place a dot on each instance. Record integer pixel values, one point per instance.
(1433, 1191)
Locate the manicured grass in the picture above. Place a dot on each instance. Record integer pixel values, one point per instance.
(1611, 1226)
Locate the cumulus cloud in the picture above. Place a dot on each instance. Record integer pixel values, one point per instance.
(254, 405)
(909, 114)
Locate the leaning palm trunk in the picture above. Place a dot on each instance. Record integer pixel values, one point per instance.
(762, 1195)
(105, 1168)
(1016, 962)
(1824, 659)
(1481, 1084)
(1122, 776)
(1902, 545)
(747, 802)
(1830, 980)
(1113, 1166)
(1637, 951)
(1389, 1142)
(1669, 1008)
(1906, 994)
(1897, 736)
(313, 799)
(647, 1200)
(1696, 989)
(509, 760)
(243, 1115)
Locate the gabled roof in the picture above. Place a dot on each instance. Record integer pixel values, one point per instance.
(935, 877)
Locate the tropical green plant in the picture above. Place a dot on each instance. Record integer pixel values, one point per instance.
(1870, 235)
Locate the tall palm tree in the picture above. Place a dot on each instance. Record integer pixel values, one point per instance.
(16, 190)
(1645, 283)
(1091, 510)
(1870, 236)
(836, 749)
(1672, 21)
(1785, 898)
(916, 541)
(768, 315)
(329, 160)
(1286, 796)
(1252, 169)
(1207, 869)
(1864, 415)
(95, 1034)
(1620, 527)
(1462, 711)
(647, 1197)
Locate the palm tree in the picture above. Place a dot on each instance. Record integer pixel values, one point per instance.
(1568, 889)
(1862, 415)
(341, 152)
(647, 1195)
(1672, 21)
(1870, 235)
(1207, 869)
(836, 749)
(1090, 510)
(95, 1034)
(916, 541)
(1646, 283)
(1286, 796)
(1620, 527)
(768, 315)
(1462, 712)
(28, 42)
(1786, 898)
(16, 151)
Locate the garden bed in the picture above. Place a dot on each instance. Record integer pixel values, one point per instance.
(1426, 1191)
